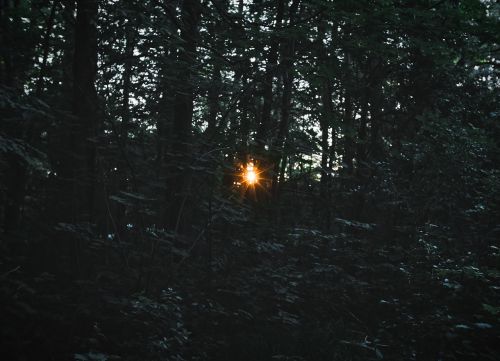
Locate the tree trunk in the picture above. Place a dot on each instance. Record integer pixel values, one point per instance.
(267, 90)
(361, 144)
(375, 122)
(183, 110)
(46, 47)
(122, 137)
(288, 51)
(15, 175)
(348, 126)
(214, 89)
(213, 100)
(127, 77)
(85, 108)
(326, 116)
(326, 121)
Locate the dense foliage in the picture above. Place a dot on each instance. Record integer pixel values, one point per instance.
(129, 232)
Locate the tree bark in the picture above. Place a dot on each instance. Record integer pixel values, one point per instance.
(15, 176)
(362, 130)
(127, 78)
(267, 89)
(288, 51)
(183, 110)
(326, 150)
(85, 109)
(375, 122)
(348, 126)
(46, 48)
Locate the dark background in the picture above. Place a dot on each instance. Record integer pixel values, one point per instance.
(129, 233)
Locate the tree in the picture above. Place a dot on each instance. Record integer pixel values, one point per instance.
(183, 108)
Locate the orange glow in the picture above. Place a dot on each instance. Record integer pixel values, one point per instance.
(250, 175)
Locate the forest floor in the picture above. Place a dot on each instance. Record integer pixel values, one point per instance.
(298, 294)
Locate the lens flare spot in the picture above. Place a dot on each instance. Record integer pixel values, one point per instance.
(250, 174)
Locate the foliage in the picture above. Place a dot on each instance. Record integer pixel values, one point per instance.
(128, 233)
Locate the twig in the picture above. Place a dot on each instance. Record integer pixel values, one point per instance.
(11, 271)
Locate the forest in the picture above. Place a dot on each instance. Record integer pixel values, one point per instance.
(249, 180)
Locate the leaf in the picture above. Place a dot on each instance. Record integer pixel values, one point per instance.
(483, 325)
(91, 356)
(355, 224)
(137, 196)
(34, 158)
(129, 199)
(491, 309)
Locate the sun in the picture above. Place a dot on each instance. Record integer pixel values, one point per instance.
(250, 175)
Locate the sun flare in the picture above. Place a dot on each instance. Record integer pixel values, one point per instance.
(250, 175)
